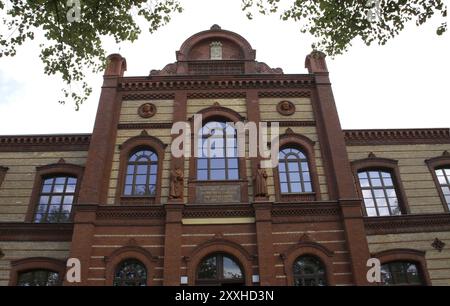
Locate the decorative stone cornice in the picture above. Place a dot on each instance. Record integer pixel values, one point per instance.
(407, 224)
(68, 142)
(400, 136)
(148, 96)
(35, 232)
(211, 82)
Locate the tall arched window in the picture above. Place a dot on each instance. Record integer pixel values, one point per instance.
(401, 273)
(130, 272)
(443, 178)
(379, 193)
(217, 152)
(39, 277)
(141, 173)
(219, 269)
(293, 171)
(309, 271)
(56, 197)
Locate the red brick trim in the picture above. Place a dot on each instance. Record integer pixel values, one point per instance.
(126, 149)
(303, 143)
(390, 165)
(434, 164)
(308, 248)
(415, 256)
(396, 136)
(3, 171)
(45, 143)
(35, 232)
(53, 169)
(219, 245)
(22, 265)
(130, 252)
(148, 96)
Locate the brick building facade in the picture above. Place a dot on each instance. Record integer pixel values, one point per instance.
(133, 213)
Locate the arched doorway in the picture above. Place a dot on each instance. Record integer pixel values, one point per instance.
(219, 269)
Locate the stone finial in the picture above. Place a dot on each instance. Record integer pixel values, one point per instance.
(315, 62)
(61, 161)
(215, 27)
(438, 244)
(445, 153)
(144, 133)
(116, 65)
(371, 155)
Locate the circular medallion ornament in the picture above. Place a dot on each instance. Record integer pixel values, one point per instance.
(147, 110)
(286, 108)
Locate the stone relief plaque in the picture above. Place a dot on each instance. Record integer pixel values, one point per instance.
(218, 194)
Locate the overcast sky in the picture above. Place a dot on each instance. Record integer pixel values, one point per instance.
(404, 84)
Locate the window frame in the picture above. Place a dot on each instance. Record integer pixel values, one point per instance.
(129, 147)
(437, 163)
(42, 173)
(129, 260)
(381, 164)
(221, 114)
(316, 275)
(3, 171)
(36, 263)
(306, 146)
(219, 256)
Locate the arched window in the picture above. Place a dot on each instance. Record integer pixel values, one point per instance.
(293, 171)
(141, 173)
(402, 273)
(219, 269)
(443, 178)
(217, 152)
(56, 197)
(379, 193)
(309, 271)
(38, 278)
(130, 272)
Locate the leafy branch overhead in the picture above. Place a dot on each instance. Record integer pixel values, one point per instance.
(74, 29)
(73, 44)
(335, 23)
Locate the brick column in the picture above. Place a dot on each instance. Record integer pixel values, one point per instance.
(335, 151)
(172, 244)
(266, 259)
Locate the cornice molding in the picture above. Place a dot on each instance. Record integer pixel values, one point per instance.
(143, 126)
(407, 224)
(399, 136)
(39, 143)
(148, 96)
(196, 83)
(36, 232)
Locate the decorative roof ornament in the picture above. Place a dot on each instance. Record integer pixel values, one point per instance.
(215, 27)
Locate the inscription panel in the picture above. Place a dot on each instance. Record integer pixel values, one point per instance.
(218, 194)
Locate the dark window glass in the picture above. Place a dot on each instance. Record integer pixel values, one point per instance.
(56, 199)
(219, 269)
(217, 152)
(39, 278)
(293, 171)
(131, 272)
(443, 176)
(141, 176)
(379, 193)
(309, 271)
(400, 273)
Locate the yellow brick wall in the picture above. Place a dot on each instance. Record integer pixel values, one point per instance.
(438, 263)
(421, 191)
(129, 111)
(21, 250)
(16, 189)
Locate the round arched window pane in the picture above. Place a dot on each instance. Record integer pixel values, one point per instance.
(130, 273)
(39, 278)
(219, 269)
(309, 271)
(141, 174)
(293, 169)
(400, 273)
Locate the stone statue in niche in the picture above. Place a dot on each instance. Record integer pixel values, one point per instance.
(147, 110)
(176, 184)
(261, 182)
(216, 50)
